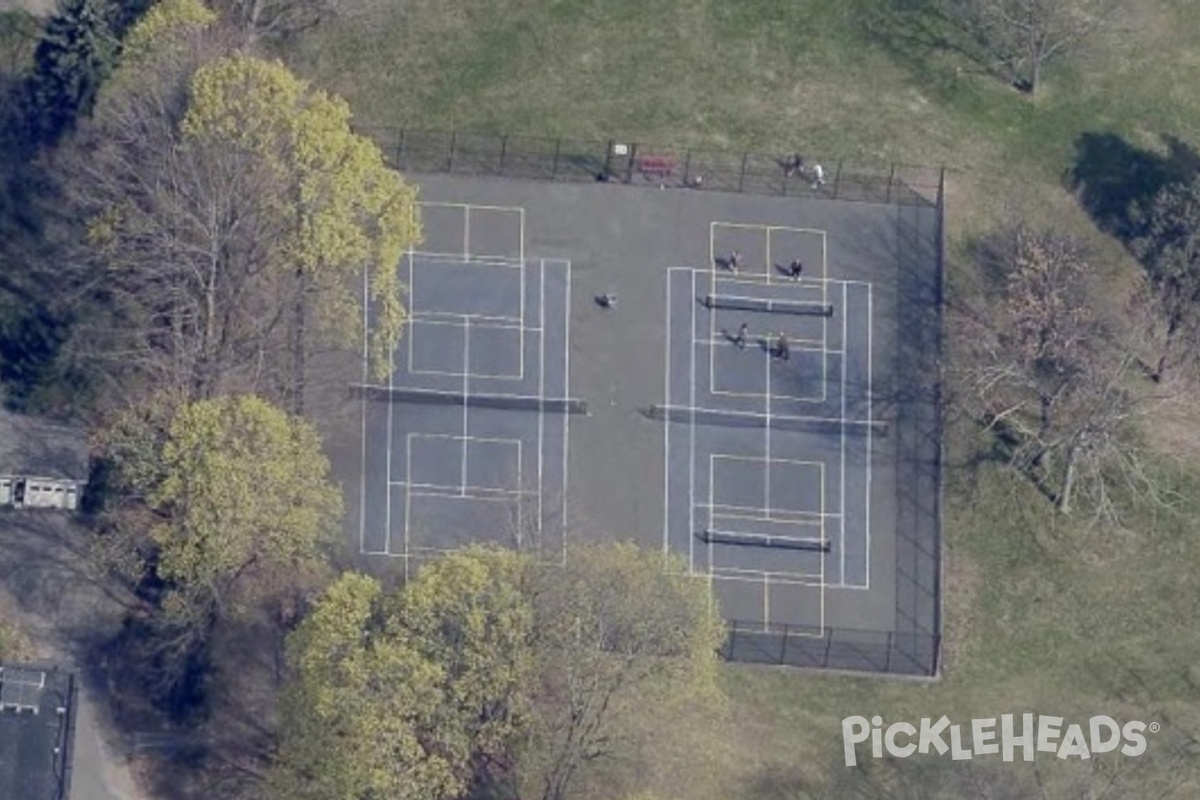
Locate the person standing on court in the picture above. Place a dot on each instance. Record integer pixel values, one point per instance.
(740, 339)
(735, 258)
(795, 268)
(781, 347)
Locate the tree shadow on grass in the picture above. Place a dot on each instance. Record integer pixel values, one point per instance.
(912, 32)
(1112, 178)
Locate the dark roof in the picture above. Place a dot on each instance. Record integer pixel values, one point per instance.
(37, 448)
(35, 748)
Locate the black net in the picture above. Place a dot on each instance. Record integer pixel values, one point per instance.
(769, 306)
(742, 419)
(397, 394)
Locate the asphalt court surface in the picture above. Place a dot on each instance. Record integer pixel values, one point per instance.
(483, 325)
(799, 493)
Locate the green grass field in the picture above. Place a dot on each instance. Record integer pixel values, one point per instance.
(1045, 615)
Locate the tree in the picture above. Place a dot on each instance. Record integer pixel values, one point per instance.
(231, 214)
(617, 636)
(531, 673)
(275, 19)
(245, 498)
(359, 706)
(1167, 304)
(1043, 376)
(470, 614)
(1026, 35)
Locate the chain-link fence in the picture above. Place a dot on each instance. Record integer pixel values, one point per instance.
(785, 174)
(892, 652)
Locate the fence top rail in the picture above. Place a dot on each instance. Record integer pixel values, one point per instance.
(630, 161)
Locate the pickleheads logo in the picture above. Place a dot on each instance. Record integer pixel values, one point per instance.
(1033, 734)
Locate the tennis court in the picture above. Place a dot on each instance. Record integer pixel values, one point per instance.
(467, 442)
(524, 412)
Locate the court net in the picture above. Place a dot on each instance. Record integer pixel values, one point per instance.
(399, 394)
(797, 307)
(714, 536)
(745, 419)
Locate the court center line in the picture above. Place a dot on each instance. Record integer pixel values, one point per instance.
(666, 429)
(692, 434)
(870, 417)
(541, 389)
(842, 499)
(467, 232)
(466, 390)
(366, 358)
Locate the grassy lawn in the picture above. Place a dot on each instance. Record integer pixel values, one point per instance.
(1044, 615)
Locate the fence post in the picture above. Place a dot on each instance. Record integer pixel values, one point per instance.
(608, 159)
(400, 148)
(687, 166)
(891, 178)
(557, 152)
(787, 634)
(742, 176)
(828, 644)
(503, 151)
(837, 180)
(887, 660)
(450, 155)
(633, 148)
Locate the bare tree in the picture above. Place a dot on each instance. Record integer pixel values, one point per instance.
(1023, 36)
(1046, 381)
(1166, 306)
(275, 19)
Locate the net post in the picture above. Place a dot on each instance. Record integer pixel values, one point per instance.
(557, 152)
(742, 174)
(837, 180)
(891, 179)
(503, 151)
(450, 154)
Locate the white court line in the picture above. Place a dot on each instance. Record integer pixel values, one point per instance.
(712, 482)
(468, 493)
(766, 601)
(521, 241)
(452, 318)
(842, 460)
(767, 432)
(366, 359)
(466, 394)
(755, 576)
(449, 204)
(521, 333)
(666, 430)
(825, 320)
(567, 389)
(803, 345)
(778, 417)
(692, 436)
(780, 516)
(466, 232)
(870, 416)
(735, 457)
(541, 389)
(433, 258)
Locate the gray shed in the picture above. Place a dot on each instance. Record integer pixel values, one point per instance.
(42, 464)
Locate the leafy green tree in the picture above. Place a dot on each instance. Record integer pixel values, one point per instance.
(469, 613)
(232, 213)
(532, 674)
(360, 706)
(245, 494)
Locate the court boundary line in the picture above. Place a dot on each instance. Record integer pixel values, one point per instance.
(666, 428)
(842, 437)
(870, 416)
(566, 472)
(692, 435)
(366, 360)
(541, 423)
